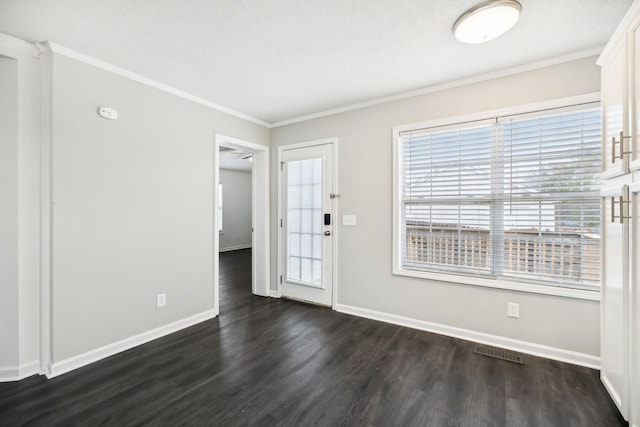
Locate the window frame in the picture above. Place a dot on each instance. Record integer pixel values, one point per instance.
(469, 279)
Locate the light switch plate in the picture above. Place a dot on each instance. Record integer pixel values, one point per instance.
(349, 220)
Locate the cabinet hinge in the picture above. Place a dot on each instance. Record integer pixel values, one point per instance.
(280, 278)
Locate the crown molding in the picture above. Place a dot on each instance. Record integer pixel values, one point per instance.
(61, 50)
(630, 20)
(14, 45)
(448, 85)
(35, 50)
(44, 48)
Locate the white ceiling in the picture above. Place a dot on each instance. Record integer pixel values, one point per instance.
(234, 160)
(280, 59)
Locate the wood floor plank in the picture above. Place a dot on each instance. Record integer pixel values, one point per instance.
(271, 362)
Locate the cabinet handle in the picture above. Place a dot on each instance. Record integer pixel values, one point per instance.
(622, 150)
(622, 202)
(613, 207)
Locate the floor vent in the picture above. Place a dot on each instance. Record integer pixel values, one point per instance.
(499, 354)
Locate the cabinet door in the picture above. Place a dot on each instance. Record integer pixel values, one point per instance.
(634, 291)
(614, 339)
(632, 145)
(614, 114)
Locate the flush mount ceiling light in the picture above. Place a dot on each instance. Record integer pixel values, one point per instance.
(486, 21)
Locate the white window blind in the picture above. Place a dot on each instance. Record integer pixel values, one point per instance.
(511, 197)
(446, 198)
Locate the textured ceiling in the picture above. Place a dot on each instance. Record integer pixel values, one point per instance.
(235, 160)
(280, 59)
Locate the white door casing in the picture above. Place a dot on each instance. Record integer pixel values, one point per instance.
(260, 274)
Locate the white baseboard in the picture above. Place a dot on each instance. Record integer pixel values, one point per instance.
(568, 356)
(75, 362)
(274, 294)
(234, 248)
(612, 391)
(17, 373)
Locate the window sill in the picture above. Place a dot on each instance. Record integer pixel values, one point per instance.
(501, 284)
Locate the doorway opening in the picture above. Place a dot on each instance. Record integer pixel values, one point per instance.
(255, 158)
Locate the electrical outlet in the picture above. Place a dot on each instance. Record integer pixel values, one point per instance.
(161, 300)
(513, 310)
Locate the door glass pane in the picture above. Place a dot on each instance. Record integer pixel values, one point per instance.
(304, 221)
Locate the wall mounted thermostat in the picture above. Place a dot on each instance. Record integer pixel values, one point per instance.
(108, 113)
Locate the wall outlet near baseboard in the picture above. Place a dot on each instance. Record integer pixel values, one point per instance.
(161, 300)
(513, 310)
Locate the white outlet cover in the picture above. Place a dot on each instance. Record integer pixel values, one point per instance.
(513, 310)
(161, 300)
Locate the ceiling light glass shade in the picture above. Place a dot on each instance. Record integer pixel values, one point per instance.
(487, 21)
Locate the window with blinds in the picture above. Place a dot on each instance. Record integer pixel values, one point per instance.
(511, 197)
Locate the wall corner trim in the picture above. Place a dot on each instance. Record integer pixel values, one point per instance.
(17, 373)
(562, 355)
(75, 362)
(44, 48)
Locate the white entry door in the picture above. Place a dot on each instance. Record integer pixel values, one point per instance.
(307, 224)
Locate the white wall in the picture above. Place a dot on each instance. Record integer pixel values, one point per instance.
(19, 209)
(29, 206)
(236, 210)
(9, 348)
(365, 167)
(134, 210)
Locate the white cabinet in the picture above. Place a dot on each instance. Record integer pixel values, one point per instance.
(614, 117)
(634, 307)
(620, 320)
(633, 145)
(614, 313)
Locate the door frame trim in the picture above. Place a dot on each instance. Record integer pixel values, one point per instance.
(333, 141)
(260, 265)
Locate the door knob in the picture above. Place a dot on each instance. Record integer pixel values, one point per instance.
(327, 233)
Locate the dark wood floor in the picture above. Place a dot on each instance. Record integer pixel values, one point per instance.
(267, 362)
